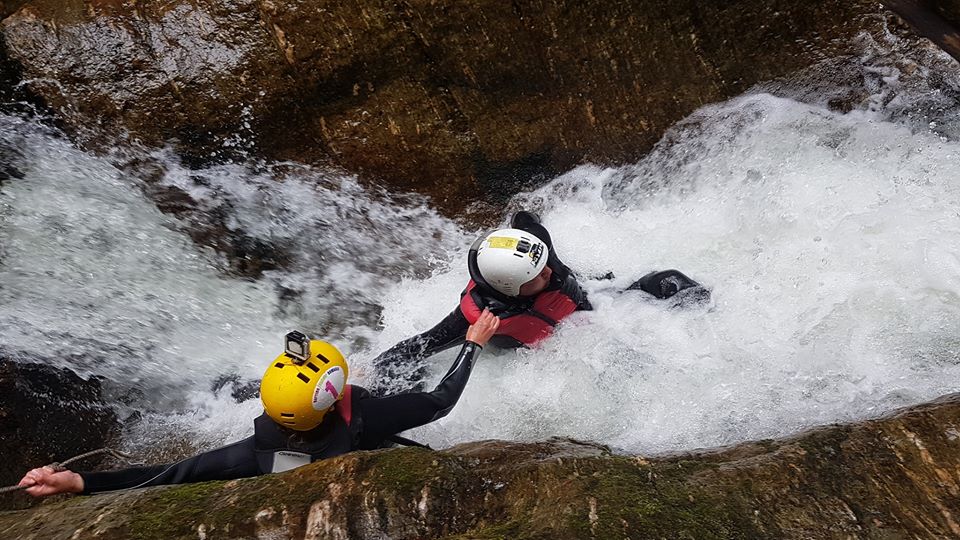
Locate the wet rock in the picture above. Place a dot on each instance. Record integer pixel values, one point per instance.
(14, 97)
(240, 389)
(464, 101)
(9, 73)
(47, 414)
(948, 9)
(889, 478)
(159, 63)
(7, 7)
(937, 20)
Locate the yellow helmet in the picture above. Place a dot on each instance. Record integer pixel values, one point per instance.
(298, 390)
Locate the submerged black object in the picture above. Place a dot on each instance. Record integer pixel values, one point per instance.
(672, 283)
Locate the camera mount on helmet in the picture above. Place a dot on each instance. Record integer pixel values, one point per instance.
(296, 345)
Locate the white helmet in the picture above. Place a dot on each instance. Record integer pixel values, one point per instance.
(506, 259)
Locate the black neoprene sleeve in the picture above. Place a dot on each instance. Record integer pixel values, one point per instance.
(390, 415)
(236, 460)
(447, 333)
(402, 366)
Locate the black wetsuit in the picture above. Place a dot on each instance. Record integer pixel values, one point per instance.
(404, 362)
(273, 448)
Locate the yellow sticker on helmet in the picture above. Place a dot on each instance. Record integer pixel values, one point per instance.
(502, 242)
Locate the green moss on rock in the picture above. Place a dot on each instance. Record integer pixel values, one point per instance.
(173, 511)
(406, 469)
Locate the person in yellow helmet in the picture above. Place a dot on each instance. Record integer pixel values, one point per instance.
(310, 413)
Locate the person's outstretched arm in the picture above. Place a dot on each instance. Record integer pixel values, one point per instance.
(390, 415)
(236, 460)
(447, 333)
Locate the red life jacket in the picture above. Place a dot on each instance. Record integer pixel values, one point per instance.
(527, 326)
(345, 405)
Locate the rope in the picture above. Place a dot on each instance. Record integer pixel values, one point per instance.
(60, 466)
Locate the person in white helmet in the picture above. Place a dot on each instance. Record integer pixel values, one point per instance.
(515, 274)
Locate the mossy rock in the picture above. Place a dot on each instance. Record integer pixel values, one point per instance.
(887, 478)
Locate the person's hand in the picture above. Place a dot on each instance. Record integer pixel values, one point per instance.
(486, 326)
(45, 481)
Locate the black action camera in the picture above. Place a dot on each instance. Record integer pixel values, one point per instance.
(296, 345)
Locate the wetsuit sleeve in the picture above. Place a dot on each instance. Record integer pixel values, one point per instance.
(236, 460)
(389, 415)
(447, 333)
(571, 289)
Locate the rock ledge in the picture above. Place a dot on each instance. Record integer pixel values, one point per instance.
(894, 477)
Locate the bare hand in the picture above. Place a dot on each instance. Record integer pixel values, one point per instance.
(45, 481)
(486, 326)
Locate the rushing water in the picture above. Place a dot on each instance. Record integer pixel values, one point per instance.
(829, 239)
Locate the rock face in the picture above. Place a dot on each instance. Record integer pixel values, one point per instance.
(39, 411)
(14, 97)
(9, 6)
(937, 20)
(890, 478)
(9, 71)
(461, 100)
